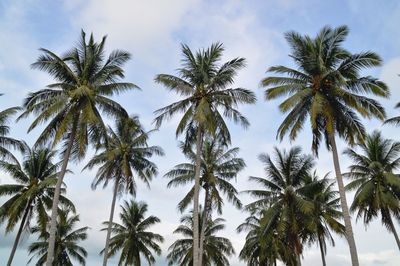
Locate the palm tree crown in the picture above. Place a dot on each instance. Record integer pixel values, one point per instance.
(204, 84)
(219, 165)
(216, 249)
(125, 154)
(132, 236)
(282, 199)
(67, 249)
(372, 176)
(326, 86)
(84, 83)
(32, 196)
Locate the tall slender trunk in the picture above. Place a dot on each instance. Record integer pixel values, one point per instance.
(321, 248)
(114, 199)
(16, 241)
(207, 208)
(393, 229)
(343, 203)
(196, 199)
(54, 208)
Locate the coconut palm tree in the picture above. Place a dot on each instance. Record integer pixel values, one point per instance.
(132, 236)
(218, 166)
(204, 83)
(36, 178)
(263, 249)
(394, 120)
(67, 248)
(216, 249)
(281, 196)
(73, 106)
(123, 159)
(326, 216)
(327, 87)
(7, 142)
(377, 186)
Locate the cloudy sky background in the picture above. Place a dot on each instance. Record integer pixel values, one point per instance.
(153, 31)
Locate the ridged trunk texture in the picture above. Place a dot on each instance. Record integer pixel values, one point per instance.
(343, 203)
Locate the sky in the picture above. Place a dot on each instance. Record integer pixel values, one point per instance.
(152, 31)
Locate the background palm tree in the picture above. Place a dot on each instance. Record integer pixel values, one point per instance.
(328, 88)
(7, 142)
(394, 120)
(218, 166)
(67, 247)
(204, 83)
(32, 195)
(281, 198)
(73, 105)
(132, 236)
(377, 187)
(326, 215)
(263, 248)
(122, 159)
(216, 249)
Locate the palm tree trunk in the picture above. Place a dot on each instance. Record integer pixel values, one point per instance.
(16, 241)
(298, 260)
(393, 229)
(110, 221)
(343, 203)
(321, 248)
(207, 207)
(196, 254)
(54, 208)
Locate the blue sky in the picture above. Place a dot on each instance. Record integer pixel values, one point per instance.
(152, 31)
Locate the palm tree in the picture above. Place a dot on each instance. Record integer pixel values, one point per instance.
(377, 187)
(205, 85)
(216, 249)
(260, 248)
(67, 247)
(132, 236)
(328, 88)
(125, 155)
(73, 105)
(218, 167)
(394, 120)
(33, 193)
(6, 142)
(281, 198)
(326, 215)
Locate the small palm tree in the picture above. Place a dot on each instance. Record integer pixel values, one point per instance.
(205, 85)
(218, 167)
(216, 249)
(281, 196)
(7, 142)
(377, 187)
(394, 120)
(132, 236)
(328, 88)
(260, 248)
(67, 249)
(326, 216)
(122, 159)
(32, 195)
(73, 106)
